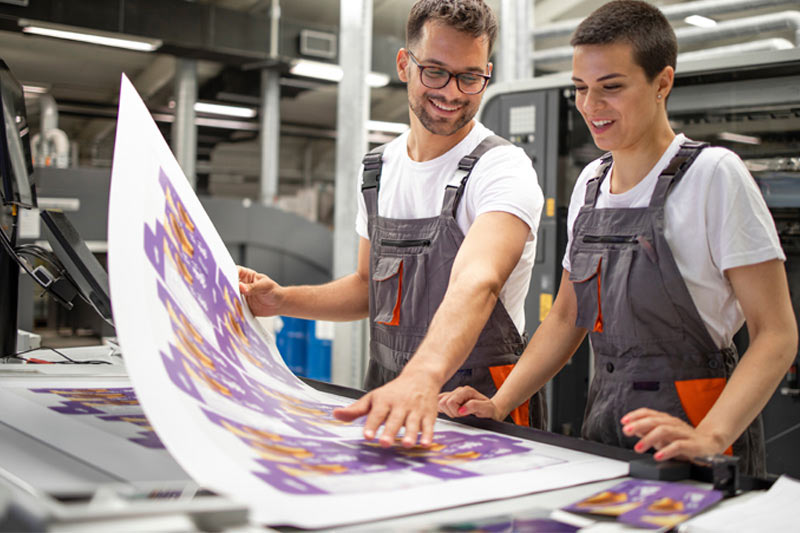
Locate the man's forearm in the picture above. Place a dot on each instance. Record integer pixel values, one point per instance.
(341, 300)
(454, 330)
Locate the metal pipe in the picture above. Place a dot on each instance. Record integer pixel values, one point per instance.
(513, 57)
(270, 135)
(723, 30)
(727, 51)
(672, 12)
(184, 129)
(355, 33)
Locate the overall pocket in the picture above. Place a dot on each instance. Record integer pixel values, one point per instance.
(387, 285)
(586, 278)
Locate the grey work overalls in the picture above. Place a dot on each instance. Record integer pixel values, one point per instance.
(410, 264)
(651, 347)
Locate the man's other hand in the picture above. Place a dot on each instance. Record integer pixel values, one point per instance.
(408, 402)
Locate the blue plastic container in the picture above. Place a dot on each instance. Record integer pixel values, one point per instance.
(318, 361)
(292, 341)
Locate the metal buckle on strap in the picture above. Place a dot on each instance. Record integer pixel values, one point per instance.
(467, 162)
(676, 164)
(373, 161)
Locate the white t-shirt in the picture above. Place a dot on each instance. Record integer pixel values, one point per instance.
(502, 180)
(715, 219)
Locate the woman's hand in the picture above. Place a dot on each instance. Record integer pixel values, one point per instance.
(671, 436)
(465, 401)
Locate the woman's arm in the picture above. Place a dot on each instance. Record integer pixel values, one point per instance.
(763, 293)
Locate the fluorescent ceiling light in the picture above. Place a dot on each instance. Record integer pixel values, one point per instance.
(34, 89)
(332, 72)
(389, 127)
(738, 138)
(377, 79)
(700, 21)
(71, 33)
(225, 110)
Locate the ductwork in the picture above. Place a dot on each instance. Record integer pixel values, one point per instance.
(677, 11)
(724, 30)
(727, 51)
(51, 145)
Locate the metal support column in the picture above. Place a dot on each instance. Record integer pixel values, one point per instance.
(516, 43)
(355, 37)
(270, 134)
(184, 130)
(271, 115)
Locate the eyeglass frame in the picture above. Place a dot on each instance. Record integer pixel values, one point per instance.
(450, 76)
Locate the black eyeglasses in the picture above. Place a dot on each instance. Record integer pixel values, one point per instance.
(437, 77)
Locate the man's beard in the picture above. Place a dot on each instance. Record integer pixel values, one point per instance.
(440, 126)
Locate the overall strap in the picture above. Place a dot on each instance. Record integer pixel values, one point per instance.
(465, 167)
(371, 182)
(675, 170)
(593, 185)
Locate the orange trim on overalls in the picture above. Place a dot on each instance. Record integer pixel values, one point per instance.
(519, 415)
(396, 311)
(698, 397)
(598, 324)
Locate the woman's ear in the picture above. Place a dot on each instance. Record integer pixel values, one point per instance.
(665, 80)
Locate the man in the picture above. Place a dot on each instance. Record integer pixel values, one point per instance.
(448, 215)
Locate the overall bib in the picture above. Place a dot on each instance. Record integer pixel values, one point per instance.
(651, 347)
(410, 264)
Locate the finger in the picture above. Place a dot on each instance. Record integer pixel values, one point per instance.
(412, 430)
(444, 407)
(377, 416)
(637, 414)
(394, 421)
(428, 423)
(479, 408)
(678, 449)
(658, 438)
(461, 396)
(354, 410)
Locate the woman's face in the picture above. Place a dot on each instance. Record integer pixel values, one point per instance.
(620, 106)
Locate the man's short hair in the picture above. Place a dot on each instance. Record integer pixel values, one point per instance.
(638, 23)
(472, 17)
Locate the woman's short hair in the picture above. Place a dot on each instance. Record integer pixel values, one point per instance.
(638, 23)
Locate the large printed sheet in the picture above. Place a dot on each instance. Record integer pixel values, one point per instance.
(222, 401)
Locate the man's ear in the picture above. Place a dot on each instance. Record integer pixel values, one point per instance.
(489, 67)
(402, 65)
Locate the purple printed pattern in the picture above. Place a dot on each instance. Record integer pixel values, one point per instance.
(89, 401)
(290, 464)
(192, 360)
(177, 240)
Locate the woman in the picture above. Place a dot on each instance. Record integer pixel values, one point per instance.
(671, 248)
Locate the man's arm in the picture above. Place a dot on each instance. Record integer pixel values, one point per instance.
(346, 298)
(489, 253)
(553, 343)
(763, 293)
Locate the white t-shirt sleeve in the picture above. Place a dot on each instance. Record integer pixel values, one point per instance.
(504, 180)
(361, 215)
(740, 228)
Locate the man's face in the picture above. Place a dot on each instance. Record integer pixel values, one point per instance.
(447, 110)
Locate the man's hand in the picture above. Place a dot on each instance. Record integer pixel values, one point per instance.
(465, 401)
(409, 402)
(671, 436)
(262, 294)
